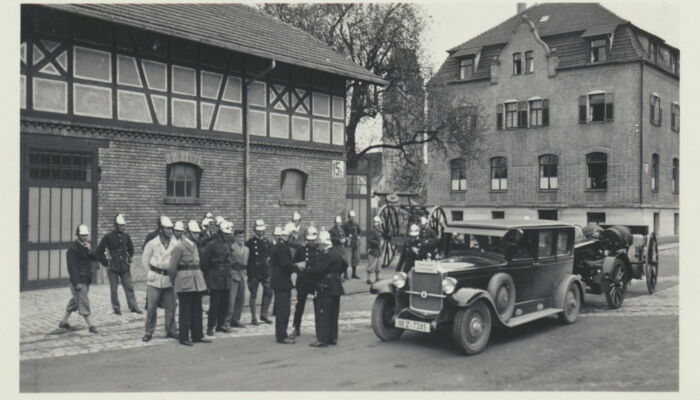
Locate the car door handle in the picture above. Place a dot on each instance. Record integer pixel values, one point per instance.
(536, 264)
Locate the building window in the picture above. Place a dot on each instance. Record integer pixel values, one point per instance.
(552, 215)
(458, 175)
(674, 176)
(457, 215)
(183, 180)
(655, 173)
(517, 64)
(529, 62)
(466, 68)
(539, 112)
(498, 214)
(655, 110)
(676, 223)
(549, 173)
(522, 114)
(675, 117)
(356, 184)
(596, 107)
(599, 50)
(597, 171)
(499, 116)
(595, 218)
(499, 173)
(511, 115)
(673, 62)
(293, 185)
(60, 167)
(653, 50)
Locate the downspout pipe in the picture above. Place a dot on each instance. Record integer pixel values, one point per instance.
(641, 135)
(246, 149)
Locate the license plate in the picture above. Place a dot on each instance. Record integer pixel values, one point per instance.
(413, 325)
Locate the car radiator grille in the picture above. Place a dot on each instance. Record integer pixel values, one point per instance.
(430, 284)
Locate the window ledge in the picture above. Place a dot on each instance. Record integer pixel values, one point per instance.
(497, 191)
(302, 203)
(596, 122)
(596, 190)
(548, 190)
(458, 191)
(182, 200)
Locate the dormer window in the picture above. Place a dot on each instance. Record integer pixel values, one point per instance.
(529, 62)
(517, 64)
(466, 68)
(599, 50)
(653, 50)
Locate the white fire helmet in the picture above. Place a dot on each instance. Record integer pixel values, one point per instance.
(414, 230)
(165, 222)
(219, 219)
(377, 220)
(193, 227)
(226, 227)
(260, 225)
(324, 238)
(296, 217)
(209, 215)
(179, 226)
(311, 233)
(277, 231)
(352, 214)
(338, 219)
(423, 220)
(289, 229)
(82, 230)
(119, 220)
(206, 222)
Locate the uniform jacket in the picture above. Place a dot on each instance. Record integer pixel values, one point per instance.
(352, 231)
(282, 265)
(326, 272)
(78, 258)
(408, 256)
(121, 250)
(216, 262)
(429, 239)
(259, 257)
(203, 239)
(183, 268)
(374, 239)
(157, 255)
(240, 255)
(308, 253)
(338, 237)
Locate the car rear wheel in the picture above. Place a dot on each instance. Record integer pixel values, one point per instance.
(382, 314)
(615, 287)
(571, 305)
(472, 327)
(502, 289)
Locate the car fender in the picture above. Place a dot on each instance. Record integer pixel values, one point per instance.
(381, 287)
(559, 294)
(467, 296)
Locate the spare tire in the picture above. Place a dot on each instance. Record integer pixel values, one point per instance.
(616, 237)
(502, 288)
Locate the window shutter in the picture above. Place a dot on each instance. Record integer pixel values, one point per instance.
(545, 112)
(651, 108)
(661, 113)
(499, 116)
(582, 119)
(522, 114)
(609, 106)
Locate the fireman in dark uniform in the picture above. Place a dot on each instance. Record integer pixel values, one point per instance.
(259, 272)
(304, 285)
(352, 245)
(205, 235)
(337, 233)
(216, 263)
(412, 250)
(282, 266)
(118, 264)
(329, 287)
(428, 238)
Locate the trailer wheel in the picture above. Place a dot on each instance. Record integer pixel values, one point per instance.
(651, 266)
(615, 287)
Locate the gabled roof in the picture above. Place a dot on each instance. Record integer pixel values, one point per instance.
(563, 18)
(235, 27)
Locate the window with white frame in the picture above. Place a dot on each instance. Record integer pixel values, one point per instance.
(597, 164)
(549, 172)
(466, 68)
(511, 114)
(529, 62)
(655, 110)
(596, 106)
(599, 50)
(499, 173)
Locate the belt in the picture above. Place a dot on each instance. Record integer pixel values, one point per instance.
(187, 268)
(159, 270)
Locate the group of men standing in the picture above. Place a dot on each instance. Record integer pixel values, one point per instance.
(185, 261)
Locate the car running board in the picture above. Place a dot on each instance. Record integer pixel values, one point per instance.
(523, 319)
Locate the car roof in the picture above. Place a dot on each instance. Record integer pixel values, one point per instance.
(498, 227)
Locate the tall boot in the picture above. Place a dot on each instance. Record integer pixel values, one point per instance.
(354, 272)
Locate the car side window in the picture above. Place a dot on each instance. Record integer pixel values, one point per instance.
(545, 245)
(563, 243)
(525, 250)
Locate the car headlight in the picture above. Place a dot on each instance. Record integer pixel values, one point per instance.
(399, 279)
(449, 285)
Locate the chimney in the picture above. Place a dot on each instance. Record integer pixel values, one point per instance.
(521, 8)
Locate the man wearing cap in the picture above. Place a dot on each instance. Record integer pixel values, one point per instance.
(118, 264)
(216, 262)
(326, 271)
(283, 267)
(159, 289)
(78, 259)
(178, 230)
(240, 254)
(304, 284)
(337, 233)
(411, 250)
(352, 245)
(374, 239)
(276, 234)
(297, 241)
(188, 280)
(259, 271)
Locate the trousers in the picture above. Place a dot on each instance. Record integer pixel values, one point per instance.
(299, 308)
(190, 316)
(235, 302)
(327, 310)
(165, 298)
(218, 305)
(253, 283)
(283, 300)
(79, 302)
(352, 257)
(373, 264)
(125, 278)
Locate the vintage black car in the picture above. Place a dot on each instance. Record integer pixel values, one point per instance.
(496, 272)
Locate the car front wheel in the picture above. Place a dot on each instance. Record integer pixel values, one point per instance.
(472, 328)
(382, 314)
(572, 304)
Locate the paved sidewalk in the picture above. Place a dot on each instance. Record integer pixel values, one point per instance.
(42, 310)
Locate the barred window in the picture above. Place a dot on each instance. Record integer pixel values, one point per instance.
(549, 174)
(499, 173)
(458, 175)
(183, 180)
(597, 171)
